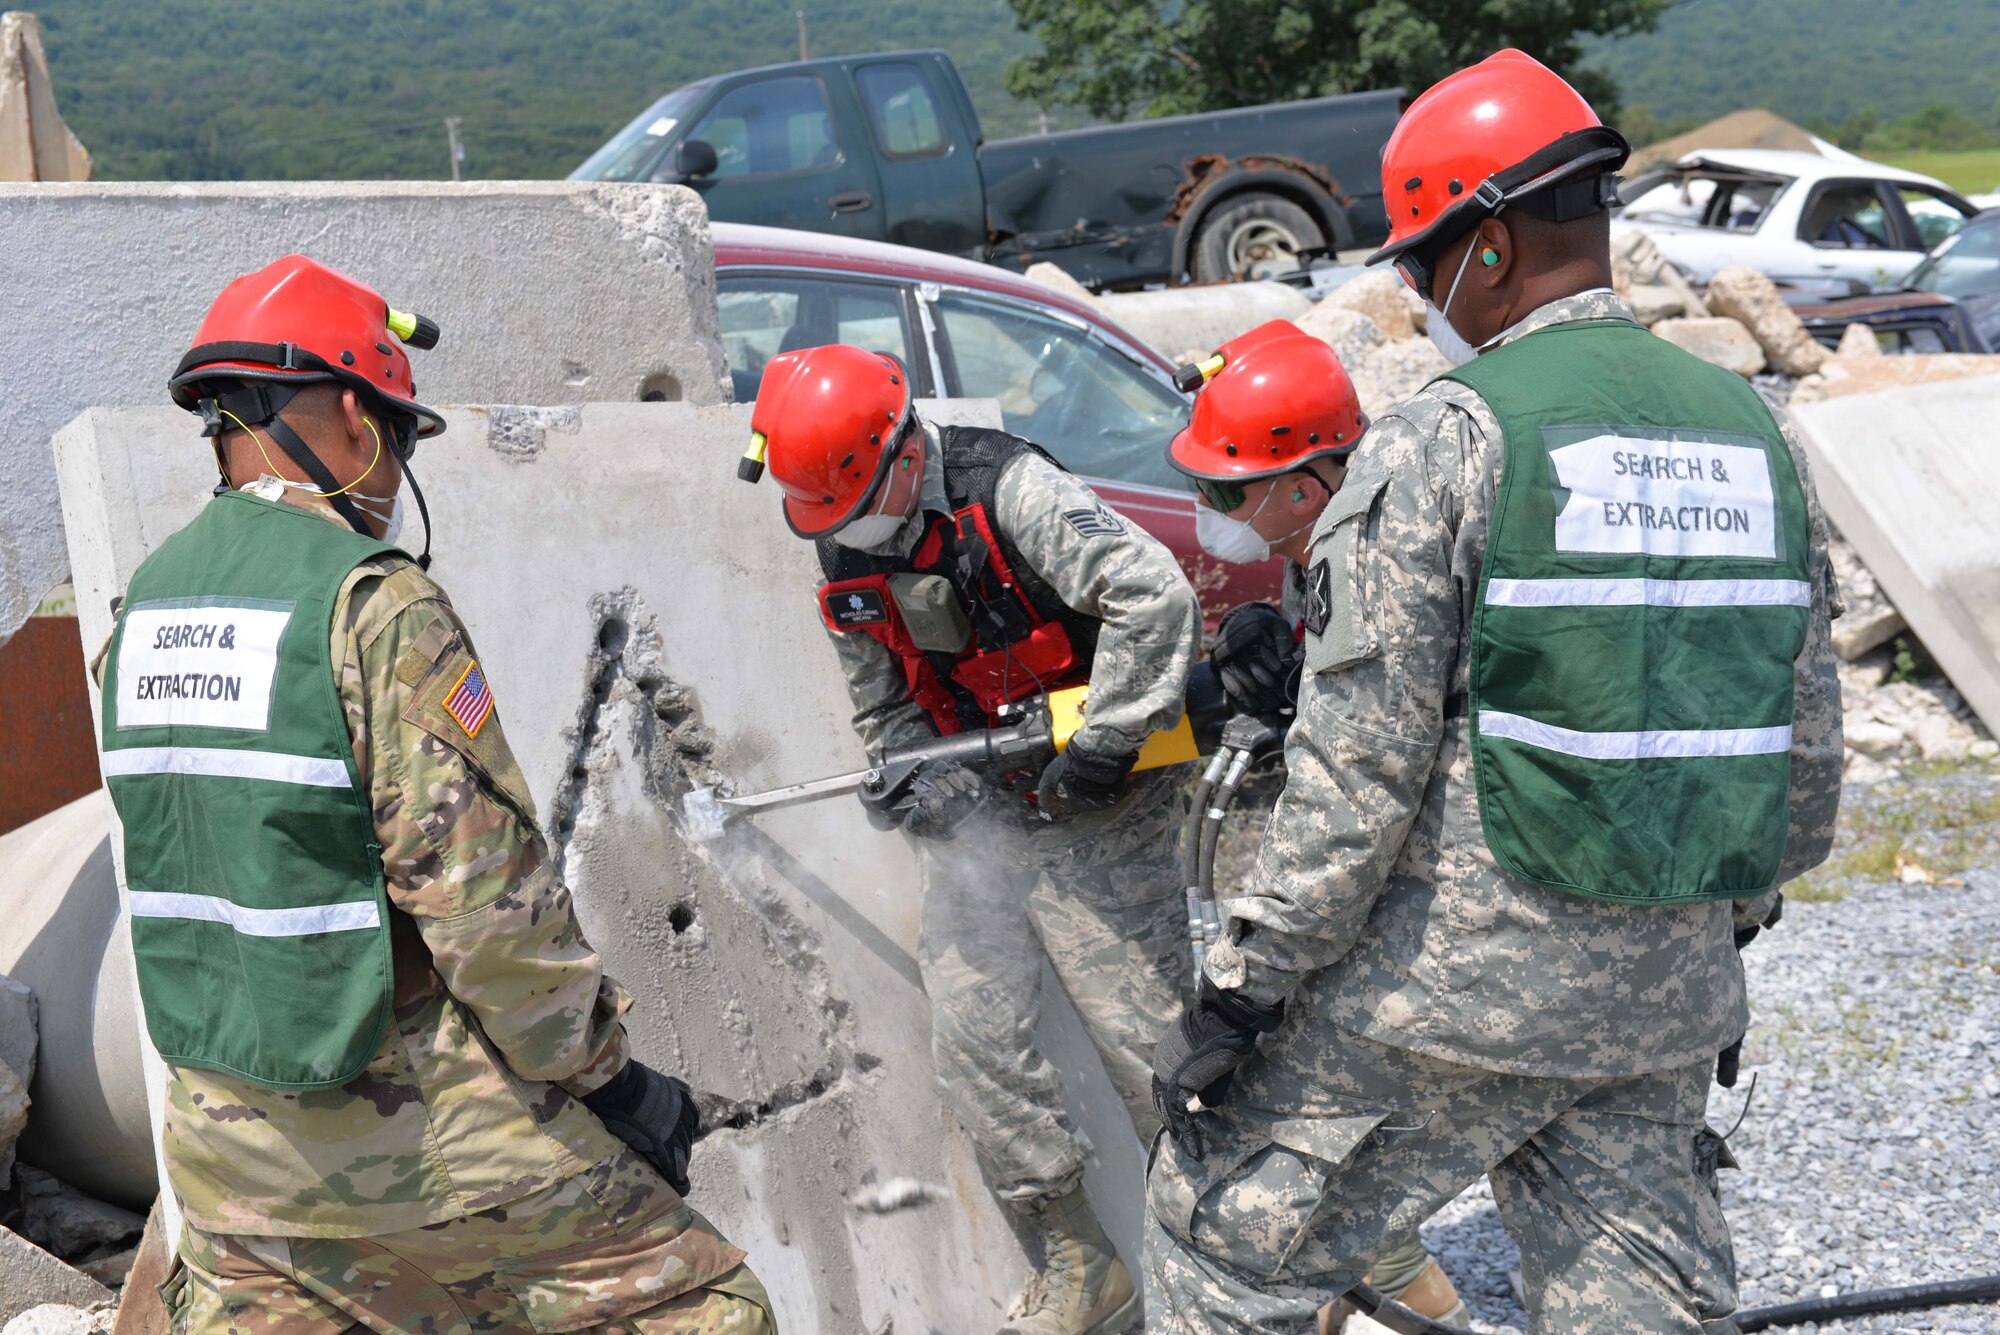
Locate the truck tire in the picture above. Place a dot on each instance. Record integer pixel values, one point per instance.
(1250, 229)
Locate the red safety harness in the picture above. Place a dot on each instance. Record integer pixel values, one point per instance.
(1024, 640)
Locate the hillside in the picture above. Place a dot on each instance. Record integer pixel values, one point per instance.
(1813, 60)
(245, 89)
(233, 89)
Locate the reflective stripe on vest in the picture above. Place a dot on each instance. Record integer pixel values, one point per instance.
(1644, 593)
(259, 921)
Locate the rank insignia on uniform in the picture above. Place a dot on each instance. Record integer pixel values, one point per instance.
(470, 700)
(1097, 523)
(1319, 598)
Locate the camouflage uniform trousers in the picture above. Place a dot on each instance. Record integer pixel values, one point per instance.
(1608, 1185)
(1100, 898)
(613, 1249)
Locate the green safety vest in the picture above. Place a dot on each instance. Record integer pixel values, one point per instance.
(259, 919)
(1644, 594)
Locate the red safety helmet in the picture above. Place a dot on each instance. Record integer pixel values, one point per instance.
(1507, 131)
(1274, 400)
(297, 321)
(829, 421)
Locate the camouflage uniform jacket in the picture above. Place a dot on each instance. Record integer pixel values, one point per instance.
(1127, 579)
(497, 992)
(1376, 902)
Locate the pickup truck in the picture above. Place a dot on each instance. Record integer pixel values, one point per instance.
(888, 147)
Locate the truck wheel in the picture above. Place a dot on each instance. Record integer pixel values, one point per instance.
(1250, 230)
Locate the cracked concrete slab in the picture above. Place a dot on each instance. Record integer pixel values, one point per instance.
(646, 623)
(552, 293)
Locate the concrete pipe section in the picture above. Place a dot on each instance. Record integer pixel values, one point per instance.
(63, 935)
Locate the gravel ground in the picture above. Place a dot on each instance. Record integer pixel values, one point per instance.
(1871, 1150)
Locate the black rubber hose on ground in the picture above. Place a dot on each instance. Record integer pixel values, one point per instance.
(1393, 1315)
(1872, 1302)
(1912, 1298)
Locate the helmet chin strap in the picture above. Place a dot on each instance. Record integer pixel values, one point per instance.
(301, 454)
(423, 511)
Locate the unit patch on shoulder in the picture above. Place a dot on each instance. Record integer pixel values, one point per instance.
(470, 700)
(1095, 523)
(849, 608)
(1319, 597)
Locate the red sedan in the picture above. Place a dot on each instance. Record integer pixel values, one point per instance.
(1092, 395)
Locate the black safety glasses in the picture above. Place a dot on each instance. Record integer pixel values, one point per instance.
(1417, 272)
(1221, 496)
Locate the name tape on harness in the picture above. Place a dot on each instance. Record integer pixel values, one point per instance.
(201, 667)
(1665, 498)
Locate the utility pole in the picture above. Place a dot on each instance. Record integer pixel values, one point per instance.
(803, 55)
(457, 149)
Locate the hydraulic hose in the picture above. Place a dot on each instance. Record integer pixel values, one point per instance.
(1191, 876)
(1911, 1298)
(1392, 1315)
(1872, 1302)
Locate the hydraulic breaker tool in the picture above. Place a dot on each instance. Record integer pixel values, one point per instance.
(1035, 731)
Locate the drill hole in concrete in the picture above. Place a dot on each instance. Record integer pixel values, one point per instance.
(659, 387)
(680, 917)
(611, 636)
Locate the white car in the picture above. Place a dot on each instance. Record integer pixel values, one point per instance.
(1802, 219)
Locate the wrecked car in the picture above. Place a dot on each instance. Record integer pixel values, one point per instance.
(1950, 302)
(1802, 219)
(888, 147)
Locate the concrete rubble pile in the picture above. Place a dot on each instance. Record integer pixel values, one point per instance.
(60, 1250)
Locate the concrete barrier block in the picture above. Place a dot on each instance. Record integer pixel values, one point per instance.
(547, 292)
(1906, 475)
(1176, 319)
(647, 623)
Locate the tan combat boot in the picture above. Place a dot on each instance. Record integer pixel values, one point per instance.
(1082, 1288)
(1429, 1294)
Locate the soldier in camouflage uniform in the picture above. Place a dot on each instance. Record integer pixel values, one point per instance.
(497, 1162)
(1282, 388)
(1057, 591)
(1433, 975)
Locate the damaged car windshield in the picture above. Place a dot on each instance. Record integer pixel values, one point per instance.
(630, 154)
(1965, 265)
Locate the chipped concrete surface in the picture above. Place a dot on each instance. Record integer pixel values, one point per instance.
(547, 293)
(646, 622)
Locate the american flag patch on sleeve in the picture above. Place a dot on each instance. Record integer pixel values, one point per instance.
(1097, 523)
(470, 700)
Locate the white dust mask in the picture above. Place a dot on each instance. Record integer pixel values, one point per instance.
(1446, 339)
(1444, 336)
(869, 531)
(1236, 541)
(1226, 539)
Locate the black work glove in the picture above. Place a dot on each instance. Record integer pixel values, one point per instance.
(931, 804)
(1079, 781)
(654, 1114)
(1257, 656)
(1199, 1056)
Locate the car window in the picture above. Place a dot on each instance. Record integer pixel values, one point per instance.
(1093, 407)
(1935, 216)
(1966, 264)
(1847, 217)
(770, 126)
(764, 315)
(901, 110)
(1739, 206)
(1725, 203)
